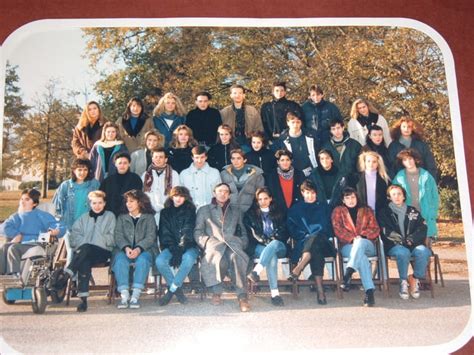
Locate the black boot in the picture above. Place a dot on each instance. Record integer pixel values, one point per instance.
(82, 307)
(346, 281)
(369, 299)
(166, 298)
(180, 296)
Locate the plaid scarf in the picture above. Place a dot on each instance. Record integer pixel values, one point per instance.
(149, 177)
(286, 175)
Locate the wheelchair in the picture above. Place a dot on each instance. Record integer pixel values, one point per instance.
(36, 279)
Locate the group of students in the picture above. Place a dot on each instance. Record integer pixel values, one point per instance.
(232, 186)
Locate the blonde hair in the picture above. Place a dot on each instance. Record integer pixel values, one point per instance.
(381, 170)
(160, 108)
(96, 194)
(174, 140)
(355, 112)
(157, 134)
(108, 125)
(85, 119)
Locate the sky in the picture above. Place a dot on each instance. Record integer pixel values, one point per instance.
(53, 54)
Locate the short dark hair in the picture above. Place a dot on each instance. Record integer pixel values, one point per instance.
(292, 115)
(309, 186)
(283, 152)
(280, 83)
(222, 184)
(198, 150)
(238, 86)
(203, 93)
(347, 191)
(125, 155)
(335, 121)
(258, 134)
(78, 162)
(160, 150)
(33, 194)
(317, 88)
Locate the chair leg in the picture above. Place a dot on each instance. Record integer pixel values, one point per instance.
(111, 291)
(438, 266)
(337, 277)
(155, 294)
(68, 291)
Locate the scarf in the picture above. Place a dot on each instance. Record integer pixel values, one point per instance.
(149, 177)
(400, 211)
(368, 120)
(286, 175)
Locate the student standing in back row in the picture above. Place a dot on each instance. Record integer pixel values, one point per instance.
(204, 120)
(168, 115)
(241, 118)
(274, 112)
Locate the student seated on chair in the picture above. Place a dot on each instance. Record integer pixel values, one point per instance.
(178, 248)
(221, 234)
(92, 241)
(22, 230)
(356, 228)
(403, 235)
(309, 223)
(268, 234)
(135, 241)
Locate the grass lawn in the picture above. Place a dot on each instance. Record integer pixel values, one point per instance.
(9, 204)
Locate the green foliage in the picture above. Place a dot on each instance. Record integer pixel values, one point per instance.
(450, 204)
(400, 70)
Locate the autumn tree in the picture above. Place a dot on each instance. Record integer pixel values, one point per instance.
(400, 70)
(14, 111)
(44, 137)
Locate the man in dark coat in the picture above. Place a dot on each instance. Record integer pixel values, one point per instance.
(117, 184)
(319, 112)
(204, 120)
(274, 112)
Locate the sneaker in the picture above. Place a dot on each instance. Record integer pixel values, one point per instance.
(253, 277)
(134, 304)
(180, 296)
(404, 290)
(277, 301)
(414, 287)
(123, 304)
(369, 299)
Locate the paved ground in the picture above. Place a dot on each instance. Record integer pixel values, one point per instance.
(198, 327)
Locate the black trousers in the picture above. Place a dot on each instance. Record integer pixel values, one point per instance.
(83, 259)
(319, 249)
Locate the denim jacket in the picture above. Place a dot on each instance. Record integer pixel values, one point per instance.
(65, 202)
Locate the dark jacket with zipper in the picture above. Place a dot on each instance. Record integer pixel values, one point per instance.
(219, 155)
(274, 115)
(264, 159)
(176, 229)
(380, 192)
(414, 225)
(254, 226)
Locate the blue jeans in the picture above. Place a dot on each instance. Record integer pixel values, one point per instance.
(421, 254)
(163, 265)
(121, 269)
(358, 253)
(268, 256)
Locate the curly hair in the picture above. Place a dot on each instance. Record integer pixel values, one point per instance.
(395, 130)
(144, 203)
(160, 108)
(108, 125)
(86, 163)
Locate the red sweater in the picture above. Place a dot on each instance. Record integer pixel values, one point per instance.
(287, 189)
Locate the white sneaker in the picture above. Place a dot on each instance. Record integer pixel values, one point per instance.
(404, 290)
(134, 304)
(123, 303)
(414, 287)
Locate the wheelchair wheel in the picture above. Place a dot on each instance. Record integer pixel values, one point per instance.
(39, 300)
(4, 296)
